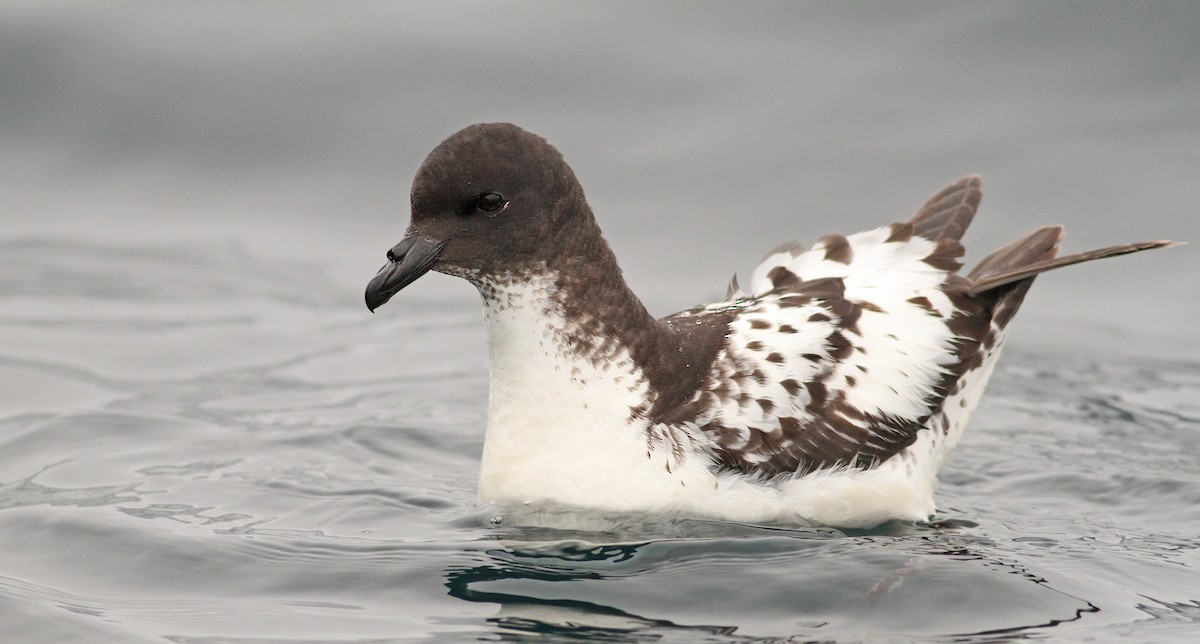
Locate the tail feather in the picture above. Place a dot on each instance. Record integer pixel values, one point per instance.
(1038, 246)
(1035, 253)
(944, 219)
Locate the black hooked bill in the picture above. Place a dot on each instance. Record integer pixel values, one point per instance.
(407, 261)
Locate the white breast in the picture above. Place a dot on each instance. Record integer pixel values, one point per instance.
(560, 427)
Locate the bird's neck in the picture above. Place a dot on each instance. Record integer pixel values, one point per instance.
(559, 320)
(579, 371)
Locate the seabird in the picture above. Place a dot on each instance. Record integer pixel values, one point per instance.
(831, 390)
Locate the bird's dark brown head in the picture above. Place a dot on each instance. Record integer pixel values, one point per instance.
(490, 200)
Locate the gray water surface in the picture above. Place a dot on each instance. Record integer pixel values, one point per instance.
(238, 463)
(204, 436)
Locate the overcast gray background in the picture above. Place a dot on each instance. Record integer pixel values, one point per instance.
(704, 133)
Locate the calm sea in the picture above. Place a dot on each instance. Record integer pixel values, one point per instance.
(205, 437)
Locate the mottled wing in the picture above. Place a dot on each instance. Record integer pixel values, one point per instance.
(840, 354)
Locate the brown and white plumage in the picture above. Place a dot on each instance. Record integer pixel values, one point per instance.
(832, 390)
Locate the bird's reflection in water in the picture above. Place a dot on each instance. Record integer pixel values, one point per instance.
(539, 545)
(604, 584)
(546, 562)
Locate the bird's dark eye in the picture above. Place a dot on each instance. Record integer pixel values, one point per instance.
(490, 202)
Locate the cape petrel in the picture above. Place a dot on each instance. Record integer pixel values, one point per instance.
(832, 389)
